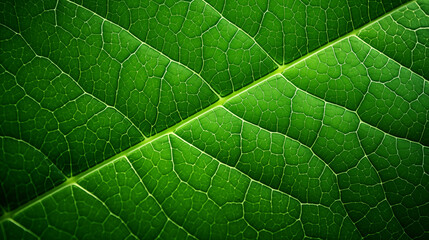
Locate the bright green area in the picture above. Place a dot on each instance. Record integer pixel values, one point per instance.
(354, 75)
(278, 106)
(335, 74)
(173, 120)
(403, 36)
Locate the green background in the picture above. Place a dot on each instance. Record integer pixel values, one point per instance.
(208, 119)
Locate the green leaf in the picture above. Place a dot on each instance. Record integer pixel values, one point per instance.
(214, 119)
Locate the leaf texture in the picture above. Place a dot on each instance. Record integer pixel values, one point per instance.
(214, 119)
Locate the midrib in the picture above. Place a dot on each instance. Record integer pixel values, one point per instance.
(74, 179)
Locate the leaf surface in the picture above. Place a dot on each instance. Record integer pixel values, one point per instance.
(212, 119)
